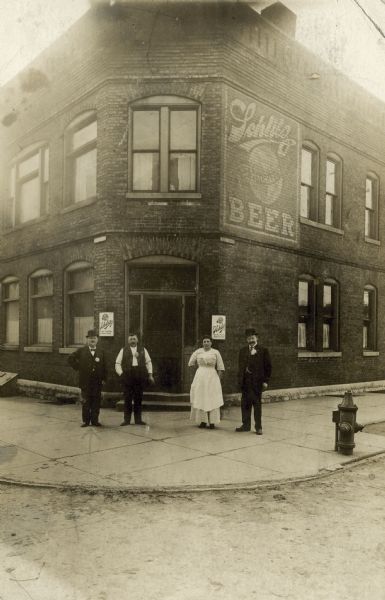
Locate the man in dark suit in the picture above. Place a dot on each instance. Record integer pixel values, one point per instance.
(254, 371)
(90, 362)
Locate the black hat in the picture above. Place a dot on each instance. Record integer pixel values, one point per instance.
(250, 331)
(92, 333)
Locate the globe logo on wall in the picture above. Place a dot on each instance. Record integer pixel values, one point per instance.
(265, 174)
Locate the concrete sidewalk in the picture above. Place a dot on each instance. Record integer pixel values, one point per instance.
(43, 444)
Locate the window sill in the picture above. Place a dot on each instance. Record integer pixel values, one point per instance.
(68, 349)
(26, 224)
(317, 225)
(38, 348)
(11, 347)
(164, 196)
(372, 241)
(327, 354)
(370, 353)
(77, 205)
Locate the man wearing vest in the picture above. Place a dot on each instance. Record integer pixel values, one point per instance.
(134, 367)
(254, 371)
(90, 362)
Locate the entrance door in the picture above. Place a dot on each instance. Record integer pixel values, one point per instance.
(162, 336)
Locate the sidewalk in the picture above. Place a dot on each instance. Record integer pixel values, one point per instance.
(43, 444)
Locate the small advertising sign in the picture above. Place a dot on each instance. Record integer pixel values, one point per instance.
(106, 324)
(218, 327)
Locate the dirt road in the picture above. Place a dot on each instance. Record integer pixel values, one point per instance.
(322, 539)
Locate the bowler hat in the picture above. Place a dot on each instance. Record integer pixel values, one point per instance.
(92, 333)
(250, 331)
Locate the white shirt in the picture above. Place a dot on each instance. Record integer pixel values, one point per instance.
(147, 360)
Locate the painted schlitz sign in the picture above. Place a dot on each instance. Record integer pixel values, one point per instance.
(261, 191)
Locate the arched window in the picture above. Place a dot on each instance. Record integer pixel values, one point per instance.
(309, 181)
(81, 155)
(10, 299)
(369, 330)
(371, 207)
(79, 302)
(164, 144)
(28, 186)
(333, 187)
(41, 307)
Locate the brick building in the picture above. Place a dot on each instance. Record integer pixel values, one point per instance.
(161, 164)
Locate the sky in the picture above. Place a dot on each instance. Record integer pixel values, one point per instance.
(347, 33)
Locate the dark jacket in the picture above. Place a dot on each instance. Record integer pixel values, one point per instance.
(92, 369)
(258, 364)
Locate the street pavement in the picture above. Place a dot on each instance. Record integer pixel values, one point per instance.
(43, 444)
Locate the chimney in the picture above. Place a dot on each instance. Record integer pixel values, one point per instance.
(279, 15)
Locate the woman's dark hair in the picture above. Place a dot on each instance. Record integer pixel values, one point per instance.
(207, 337)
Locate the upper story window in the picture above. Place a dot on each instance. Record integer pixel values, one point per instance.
(28, 187)
(164, 144)
(371, 207)
(10, 300)
(369, 330)
(41, 307)
(81, 158)
(333, 192)
(309, 183)
(79, 302)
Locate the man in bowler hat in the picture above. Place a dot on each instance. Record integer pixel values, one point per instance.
(90, 362)
(134, 367)
(254, 371)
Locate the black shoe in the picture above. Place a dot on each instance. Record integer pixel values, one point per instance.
(96, 424)
(84, 425)
(124, 423)
(242, 428)
(141, 423)
(212, 426)
(258, 431)
(202, 425)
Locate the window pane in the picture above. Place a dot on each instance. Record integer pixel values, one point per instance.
(84, 135)
(305, 201)
(11, 290)
(42, 320)
(30, 165)
(146, 171)
(303, 293)
(42, 286)
(301, 335)
(12, 322)
(134, 313)
(81, 313)
(327, 296)
(306, 166)
(81, 280)
(369, 194)
(162, 278)
(183, 129)
(330, 177)
(182, 172)
(29, 200)
(326, 336)
(85, 176)
(365, 336)
(329, 202)
(46, 165)
(146, 130)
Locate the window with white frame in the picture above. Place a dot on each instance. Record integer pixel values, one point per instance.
(164, 145)
(10, 300)
(306, 313)
(41, 308)
(371, 207)
(308, 203)
(28, 187)
(79, 302)
(369, 329)
(81, 159)
(333, 192)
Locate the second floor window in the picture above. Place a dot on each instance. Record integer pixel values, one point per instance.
(28, 186)
(332, 196)
(81, 138)
(371, 208)
(308, 184)
(165, 145)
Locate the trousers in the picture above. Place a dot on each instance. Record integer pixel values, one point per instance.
(91, 400)
(133, 395)
(251, 398)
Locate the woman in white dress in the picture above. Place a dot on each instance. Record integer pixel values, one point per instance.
(206, 390)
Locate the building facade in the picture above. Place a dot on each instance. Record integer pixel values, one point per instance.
(163, 168)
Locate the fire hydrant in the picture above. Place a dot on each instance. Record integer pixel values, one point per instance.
(346, 425)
